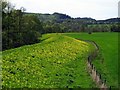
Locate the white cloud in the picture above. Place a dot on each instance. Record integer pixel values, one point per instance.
(98, 9)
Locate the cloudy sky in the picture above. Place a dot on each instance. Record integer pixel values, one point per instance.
(98, 9)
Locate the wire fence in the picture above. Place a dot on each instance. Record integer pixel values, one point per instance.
(96, 76)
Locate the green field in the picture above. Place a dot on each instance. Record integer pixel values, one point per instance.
(107, 61)
(57, 62)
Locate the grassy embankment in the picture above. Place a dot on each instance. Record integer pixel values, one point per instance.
(57, 62)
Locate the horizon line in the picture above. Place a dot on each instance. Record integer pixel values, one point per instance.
(74, 17)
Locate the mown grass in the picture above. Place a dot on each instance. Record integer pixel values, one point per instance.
(107, 61)
(57, 62)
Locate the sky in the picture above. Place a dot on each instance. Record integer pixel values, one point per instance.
(97, 9)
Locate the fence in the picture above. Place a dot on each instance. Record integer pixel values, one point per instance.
(91, 68)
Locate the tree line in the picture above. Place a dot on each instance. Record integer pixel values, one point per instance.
(76, 26)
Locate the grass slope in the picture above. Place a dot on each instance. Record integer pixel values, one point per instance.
(57, 62)
(107, 62)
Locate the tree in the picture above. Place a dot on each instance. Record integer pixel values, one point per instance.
(19, 28)
(115, 28)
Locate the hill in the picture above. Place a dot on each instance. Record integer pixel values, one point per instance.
(59, 16)
(60, 23)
